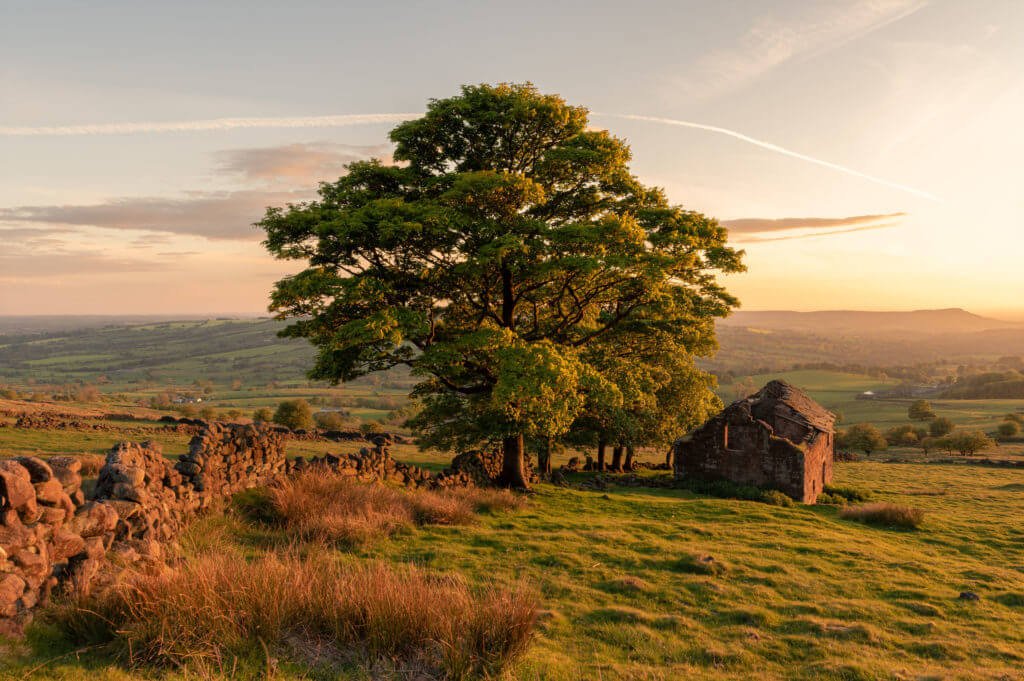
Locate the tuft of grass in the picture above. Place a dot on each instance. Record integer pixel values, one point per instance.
(883, 513)
(322, 506)
(219, 607)
(91, 464)
(488, 500)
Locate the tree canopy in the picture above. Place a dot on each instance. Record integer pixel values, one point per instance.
(920, 410)
(513, 261)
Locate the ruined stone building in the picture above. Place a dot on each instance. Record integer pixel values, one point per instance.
(777, 438)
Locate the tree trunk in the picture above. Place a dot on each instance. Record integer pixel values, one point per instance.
(629, 458)
(513, 468)
(544, 458)
(617, 458)
(601, 447)
(669, 456)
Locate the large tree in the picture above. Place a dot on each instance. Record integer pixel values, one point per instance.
(508, 241)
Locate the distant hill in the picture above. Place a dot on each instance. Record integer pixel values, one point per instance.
(947, 321)
(17, 325)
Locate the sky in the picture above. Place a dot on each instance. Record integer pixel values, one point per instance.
(866, 154)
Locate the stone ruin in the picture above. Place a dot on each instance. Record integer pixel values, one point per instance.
(51, 534)
(777, 438)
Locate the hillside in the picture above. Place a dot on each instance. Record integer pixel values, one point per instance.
(122, 351)
(214, 350)
(951, 320)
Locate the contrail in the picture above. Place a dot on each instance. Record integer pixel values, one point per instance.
(343, 120)
(777, 148)
(336, 121)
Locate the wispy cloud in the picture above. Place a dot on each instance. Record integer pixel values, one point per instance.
(297, 164)
(772, 41)
(227, 214)
(334, 121)
(214, 215)
(781, 150)
(756, 230)
(760, 225)
(813, 235)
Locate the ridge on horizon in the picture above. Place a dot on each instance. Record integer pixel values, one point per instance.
(941, 320)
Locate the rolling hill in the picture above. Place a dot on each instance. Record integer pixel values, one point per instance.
(950, 320)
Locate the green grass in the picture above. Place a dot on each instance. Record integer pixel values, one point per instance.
(795, 593)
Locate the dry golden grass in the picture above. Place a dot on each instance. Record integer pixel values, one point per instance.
(882, 513)
(91, 464)
(323, 506)
(219, 608)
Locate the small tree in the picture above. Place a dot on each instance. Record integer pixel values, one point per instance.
(970, 442)
(864, 437)
(294, 414)
(208, 412)
(1015, 417)
(161, 401)
(928, 444)
(370, 427)
(263, 415)
(903, 436)
(943, 425)
(1008, 429)
(921, 410)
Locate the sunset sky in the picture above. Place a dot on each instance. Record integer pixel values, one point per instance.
(867, 154)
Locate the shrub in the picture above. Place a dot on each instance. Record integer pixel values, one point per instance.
(294, 414)
(263, 415)
(219, 607)
(369, 427)
(208, 412)
(161, 401)
(330, 420)
(881, 513)
(1008, 429)
(1015, 417)
(87, 393)
(732, 490)
(187, 410)
(847, 493)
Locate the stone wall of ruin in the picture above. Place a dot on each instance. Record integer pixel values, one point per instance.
(51, 534)
(737, 447)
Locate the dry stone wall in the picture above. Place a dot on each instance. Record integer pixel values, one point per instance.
(51, 534)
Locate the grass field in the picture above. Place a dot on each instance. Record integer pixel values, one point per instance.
(627, 591)
(795, 593)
